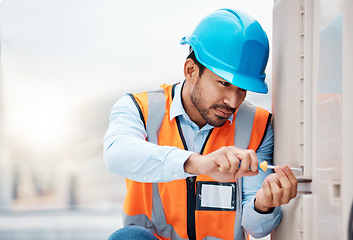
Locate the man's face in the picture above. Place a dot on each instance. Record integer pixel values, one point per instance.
(215, 99)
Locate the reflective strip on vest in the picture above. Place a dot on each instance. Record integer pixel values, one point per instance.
(244, 118)
(156, 111)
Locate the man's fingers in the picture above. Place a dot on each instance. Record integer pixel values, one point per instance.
(254, 161)
(248, 161)
(223, 164)
(248, 173)
(245, 162)
(233, 160)
(287, 182)
(267, 192)
(292, 179)
(275, 190)
(288, 174)
(286, 185)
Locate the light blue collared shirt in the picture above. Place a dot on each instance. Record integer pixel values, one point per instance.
(128, 154)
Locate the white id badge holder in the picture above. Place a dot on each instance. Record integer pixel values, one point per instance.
(215, 196)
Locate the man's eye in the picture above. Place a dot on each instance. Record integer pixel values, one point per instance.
(224, 83)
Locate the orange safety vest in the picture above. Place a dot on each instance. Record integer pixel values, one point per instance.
(172, 210)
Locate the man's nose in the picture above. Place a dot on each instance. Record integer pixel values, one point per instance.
(231, 99)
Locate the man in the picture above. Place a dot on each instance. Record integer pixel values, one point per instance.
(190, 151)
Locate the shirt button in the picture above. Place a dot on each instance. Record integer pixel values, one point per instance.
(175, 175)
(144, 178)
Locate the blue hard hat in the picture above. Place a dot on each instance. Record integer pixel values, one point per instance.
(234, 46)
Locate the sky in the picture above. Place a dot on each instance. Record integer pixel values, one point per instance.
(60, 55)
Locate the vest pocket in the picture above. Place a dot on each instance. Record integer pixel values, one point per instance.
(215, 196)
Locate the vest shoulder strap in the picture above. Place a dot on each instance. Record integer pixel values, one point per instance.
(156, 110)
(251, 124)
(244, 120)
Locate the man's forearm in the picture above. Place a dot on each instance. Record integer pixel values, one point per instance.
(142, 161)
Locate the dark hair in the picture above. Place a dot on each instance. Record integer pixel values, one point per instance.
(193, 57)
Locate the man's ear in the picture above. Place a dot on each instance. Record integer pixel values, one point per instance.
(191, 70)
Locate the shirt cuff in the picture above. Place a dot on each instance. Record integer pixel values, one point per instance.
(174, 167)
(260, 224)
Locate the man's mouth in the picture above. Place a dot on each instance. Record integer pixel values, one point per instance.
(224, 112)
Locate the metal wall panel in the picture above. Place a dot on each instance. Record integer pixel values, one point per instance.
(312, 102)
(292, 83)
(327, 174)
(292, 101)
(347, 117)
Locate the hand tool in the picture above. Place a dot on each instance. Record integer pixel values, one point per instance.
(264, 166)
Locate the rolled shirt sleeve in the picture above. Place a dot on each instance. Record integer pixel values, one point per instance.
(128, 154)
(259, 224)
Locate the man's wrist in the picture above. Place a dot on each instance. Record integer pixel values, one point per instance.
(190, 165)
(262, 209)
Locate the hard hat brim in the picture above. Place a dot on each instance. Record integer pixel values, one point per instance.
(243, 81)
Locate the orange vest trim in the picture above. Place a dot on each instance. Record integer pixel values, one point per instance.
(261, 121)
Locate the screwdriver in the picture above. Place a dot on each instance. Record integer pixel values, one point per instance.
(264, 166)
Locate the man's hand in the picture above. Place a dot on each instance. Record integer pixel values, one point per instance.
(277, 189)
(222, 165)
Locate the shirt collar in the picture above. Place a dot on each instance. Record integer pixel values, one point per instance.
(177, 109)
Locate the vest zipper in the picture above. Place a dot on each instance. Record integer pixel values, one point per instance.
(191, 207)
(190, 189)
(191, 193)
(190, 183)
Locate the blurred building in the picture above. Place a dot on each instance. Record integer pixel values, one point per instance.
(71, 177)
(63, 194)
